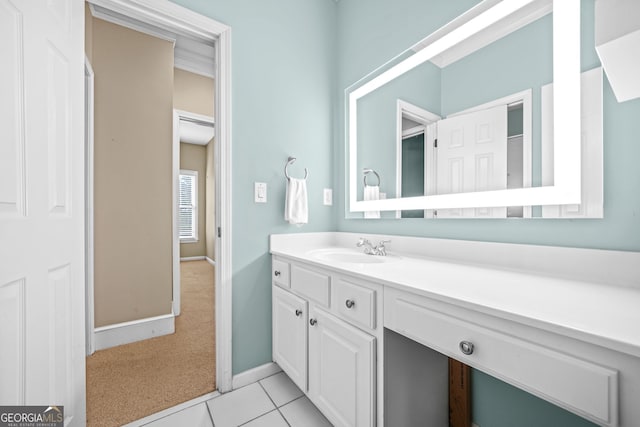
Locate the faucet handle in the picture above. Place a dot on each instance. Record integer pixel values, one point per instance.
(362, 241)
(381, 249)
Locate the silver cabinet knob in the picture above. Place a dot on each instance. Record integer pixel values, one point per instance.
(349, 303)
(313, 322)
(298, 312)
(466, 347)
(276, 273)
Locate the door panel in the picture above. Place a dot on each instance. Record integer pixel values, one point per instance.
(41, 205)
(12, 362)
(12, 161)
(341, 370)
(472, 156)
(290, 335)
(58, 130)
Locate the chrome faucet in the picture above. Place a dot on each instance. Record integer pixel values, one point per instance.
(369, 249)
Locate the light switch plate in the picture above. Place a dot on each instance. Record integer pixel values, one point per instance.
(328, 197)
(260, 192)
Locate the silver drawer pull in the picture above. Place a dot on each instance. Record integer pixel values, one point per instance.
(298, 312)
(466, 347)
(313, 322)
(349, 303)
(276, 273)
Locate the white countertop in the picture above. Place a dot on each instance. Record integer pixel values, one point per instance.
(599, 313)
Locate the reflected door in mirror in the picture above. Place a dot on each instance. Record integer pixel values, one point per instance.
(472, 156)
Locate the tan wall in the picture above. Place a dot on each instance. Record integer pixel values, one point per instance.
(210, 230)
(193, 92)
(194, 157)
(133, 200)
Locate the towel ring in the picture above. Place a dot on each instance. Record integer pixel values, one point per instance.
(367, 171)
(290, 160)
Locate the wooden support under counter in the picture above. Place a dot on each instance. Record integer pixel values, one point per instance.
(459, 394)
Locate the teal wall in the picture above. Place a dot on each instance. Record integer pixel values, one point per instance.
(283, 92)
(291, 62)
(496, 404)
(373, 32)
(520, 61)
(413, 172)
(514, 122)
(377, 116)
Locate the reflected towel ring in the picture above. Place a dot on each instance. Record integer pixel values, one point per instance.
(367, 171)
(290, 160)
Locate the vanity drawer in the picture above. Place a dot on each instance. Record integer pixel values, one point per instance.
(280, 273)
(580, 386)
(354, 302)
(311, 284)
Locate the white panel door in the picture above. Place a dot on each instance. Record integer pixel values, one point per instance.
(472, 156)
(290, 335)
(341, 370)
(42, 205)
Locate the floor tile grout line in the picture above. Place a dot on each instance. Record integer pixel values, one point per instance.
(297, 398)
(213, 423)
(240, 388)
(274, 403)
(285, 404)
(150, 423)
(283, 417)
(276, 407)
(273, 375)
(268, 395)
(260, 416)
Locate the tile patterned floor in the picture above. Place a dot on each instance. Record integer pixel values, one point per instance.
(272, 402)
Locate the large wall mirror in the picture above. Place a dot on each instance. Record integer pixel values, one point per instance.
(454, 126)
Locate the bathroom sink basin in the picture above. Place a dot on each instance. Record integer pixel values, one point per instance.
(349, 256)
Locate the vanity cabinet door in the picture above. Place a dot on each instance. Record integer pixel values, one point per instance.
(341, 370)
(290, 335)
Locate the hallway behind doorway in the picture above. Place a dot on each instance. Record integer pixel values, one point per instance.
(132, 381)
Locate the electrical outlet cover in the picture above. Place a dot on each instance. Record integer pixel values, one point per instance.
(328, 197)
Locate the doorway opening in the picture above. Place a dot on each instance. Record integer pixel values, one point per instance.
(415, 168)
(212, 48)
(193, 171)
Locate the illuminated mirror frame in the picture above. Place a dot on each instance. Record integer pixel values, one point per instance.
(566, 133)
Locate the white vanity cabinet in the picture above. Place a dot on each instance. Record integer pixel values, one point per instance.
(505, 352)
(341, 370)
(324, 338)
(521, 313)
(290, 316)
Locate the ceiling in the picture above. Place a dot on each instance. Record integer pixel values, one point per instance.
(190, 53)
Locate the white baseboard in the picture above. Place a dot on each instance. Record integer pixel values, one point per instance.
(255, 374)
(210, 261)
(136, 330)
(192, 258)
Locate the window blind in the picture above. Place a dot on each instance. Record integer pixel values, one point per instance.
(187, 209)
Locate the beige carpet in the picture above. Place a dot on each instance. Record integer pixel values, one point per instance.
(132, 381)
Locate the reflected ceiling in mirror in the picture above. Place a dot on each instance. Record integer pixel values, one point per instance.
(420, 87)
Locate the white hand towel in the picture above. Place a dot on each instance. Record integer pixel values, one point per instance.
(371, 192)
(296, 210)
